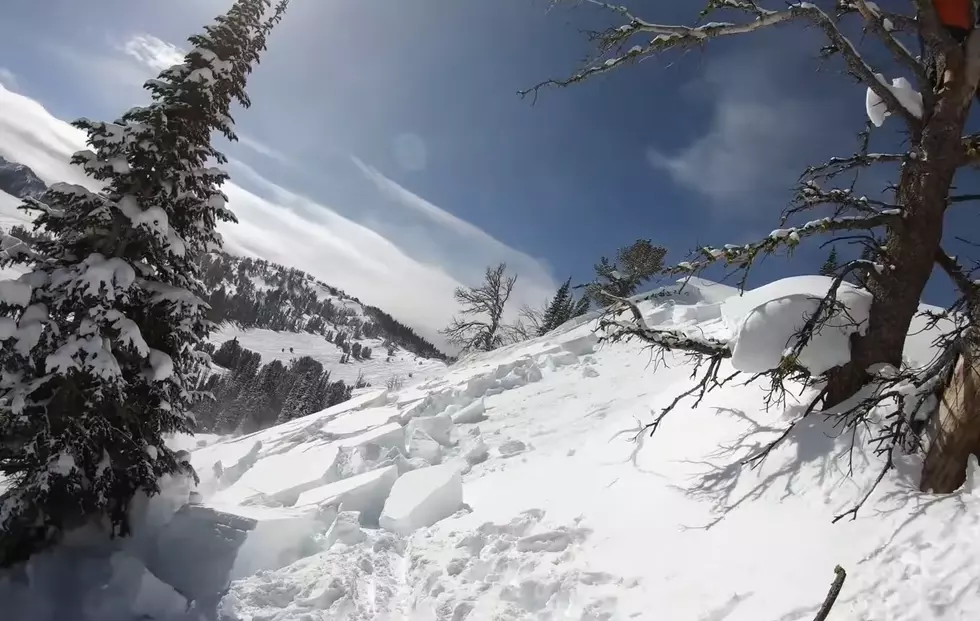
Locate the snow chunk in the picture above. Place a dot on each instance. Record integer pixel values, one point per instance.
(421, 445)
(471, 414)
(439, 428)
(910, 99)
(421, 498)
(161, 366)
(280, 536)
(391, 435)
(582, 345)
(365, 493)
(15, 293)
(767, 332)
(282, 478)
(361, 420)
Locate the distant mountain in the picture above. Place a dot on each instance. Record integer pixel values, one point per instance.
(255, 293)
(19, 180)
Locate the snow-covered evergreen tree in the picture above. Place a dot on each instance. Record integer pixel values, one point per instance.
(99, 357)
(559, 310)
(829, 267)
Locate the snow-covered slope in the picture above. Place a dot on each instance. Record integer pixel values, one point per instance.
(10, 216)
(566, 513)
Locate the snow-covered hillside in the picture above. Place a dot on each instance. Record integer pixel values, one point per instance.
(285, 289)
(271, 345)
(546, 504)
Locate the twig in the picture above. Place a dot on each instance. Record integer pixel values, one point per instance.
(832, 594)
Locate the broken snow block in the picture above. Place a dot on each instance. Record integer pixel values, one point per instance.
(471, 414)
(513, 380)
(439, 428)
(582, 345)
(589, 372)
(533, 374)
(562, 359)
(422, 446)
(358, 421)
(391, 435)
(280, 536)
(346, 529)
(365, 493)
(479, 385)
(278, 480)
(226, 462)
(195, 552)
(421, 498)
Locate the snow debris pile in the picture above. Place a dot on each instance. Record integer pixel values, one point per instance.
(507, 488)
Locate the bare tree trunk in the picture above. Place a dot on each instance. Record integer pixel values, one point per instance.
(956, 430)
(910, 246)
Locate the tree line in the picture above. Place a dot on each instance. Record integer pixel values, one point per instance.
(252, 396)
(481, 326)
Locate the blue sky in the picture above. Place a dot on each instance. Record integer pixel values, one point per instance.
(402, 118)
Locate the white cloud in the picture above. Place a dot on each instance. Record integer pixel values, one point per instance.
(466, 250)
(152, 52)
(261, 148)
(285, 227)
(754, 143)
(7, 78)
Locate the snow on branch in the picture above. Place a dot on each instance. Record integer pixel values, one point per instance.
(883, 27)
(679, 36)
(743, 256)
(838, 165)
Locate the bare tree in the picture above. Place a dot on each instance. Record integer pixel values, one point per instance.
(480, 328)
(902, 237)
(528, 323)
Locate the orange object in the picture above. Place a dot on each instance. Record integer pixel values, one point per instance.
(955, 13)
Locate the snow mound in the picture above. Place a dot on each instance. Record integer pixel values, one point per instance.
(421, 498)
(765, 321)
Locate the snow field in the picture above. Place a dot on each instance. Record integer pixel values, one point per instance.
(566, 516)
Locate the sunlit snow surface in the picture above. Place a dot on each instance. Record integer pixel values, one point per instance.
(565, 517)
(563, 514)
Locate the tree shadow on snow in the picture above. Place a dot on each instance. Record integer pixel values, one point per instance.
(812, 455)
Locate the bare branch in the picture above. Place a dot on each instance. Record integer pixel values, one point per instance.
(782, 238)
(963, 198)
(838, 165)
(899, 51)
(673, 37)
(957, 274)
(835, 588)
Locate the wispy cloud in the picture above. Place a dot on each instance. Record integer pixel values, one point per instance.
(7, 78)
(286, 227)
(152, 52)
(759, 137)
(262, 149)
(463, 248)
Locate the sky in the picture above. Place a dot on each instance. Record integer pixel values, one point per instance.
(387, 152)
